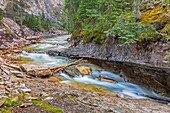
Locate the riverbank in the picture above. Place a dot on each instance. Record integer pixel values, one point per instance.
(84, 99)
(11, 35)
(144, 65)
(49, 94)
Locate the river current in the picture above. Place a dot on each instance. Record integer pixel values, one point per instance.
(38, 55)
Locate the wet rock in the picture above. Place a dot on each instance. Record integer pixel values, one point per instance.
(108, 80)
(71, 72)
(54, 53)
(84, 70)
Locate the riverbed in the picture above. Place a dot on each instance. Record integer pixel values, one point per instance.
(37, 54)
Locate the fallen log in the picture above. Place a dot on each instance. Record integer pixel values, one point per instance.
(35, 70)
(57, 67)
(71, 64)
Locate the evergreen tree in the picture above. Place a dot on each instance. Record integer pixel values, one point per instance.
(1, 15)
(95, 20)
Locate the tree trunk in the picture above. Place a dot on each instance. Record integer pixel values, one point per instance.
(13, 12)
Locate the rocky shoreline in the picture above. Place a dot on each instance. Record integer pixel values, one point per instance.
(47, 95)
(12, 37)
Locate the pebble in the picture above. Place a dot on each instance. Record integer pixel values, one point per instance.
(24, 105)
(2, 83)
(22, 85)
(25, 90)
(49, 98)
(32, 98)
(43, 94)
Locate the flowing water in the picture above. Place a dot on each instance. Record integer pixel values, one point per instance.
(39, 56)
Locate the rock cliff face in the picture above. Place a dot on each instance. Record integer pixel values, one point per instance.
(144, 64)
(51, 8)
(10, 35)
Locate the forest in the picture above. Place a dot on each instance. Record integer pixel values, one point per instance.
(131, 21)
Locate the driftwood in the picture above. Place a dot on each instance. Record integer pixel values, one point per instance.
(63, 67)
(35, 70)
(44, 71)
(13, 67)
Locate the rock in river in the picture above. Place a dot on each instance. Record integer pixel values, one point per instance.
(84, 70)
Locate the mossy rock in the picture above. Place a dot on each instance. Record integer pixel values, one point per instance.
(47, 107)
(166, 29)
(158, 14)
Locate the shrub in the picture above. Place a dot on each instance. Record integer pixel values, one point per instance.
(37, 23)
(131, 32)
(1, 16)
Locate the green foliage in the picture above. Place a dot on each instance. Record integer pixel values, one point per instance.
(166, 1)
(47, 107)
(10, 103)
(15, 9)
(70, 98)
(130, 31)
(1, 16)
(37, 23)
(5, 111)
(57, 25)
(94, 20)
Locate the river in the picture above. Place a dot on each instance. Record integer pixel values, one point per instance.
(37, 54)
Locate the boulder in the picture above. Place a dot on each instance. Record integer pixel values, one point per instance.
(37, 70)
(84, 70)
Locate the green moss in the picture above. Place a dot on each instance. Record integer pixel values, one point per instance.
(70, 98)
(5, 111)
(47, 107)
(166, 1)
(25, 59)
(22, 96)
(10, 103)
(155, 15)
(30, 49)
